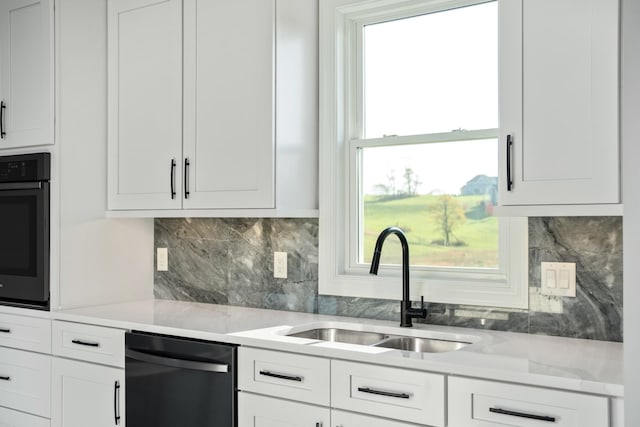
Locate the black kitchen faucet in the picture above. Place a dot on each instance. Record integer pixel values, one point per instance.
(407, 312)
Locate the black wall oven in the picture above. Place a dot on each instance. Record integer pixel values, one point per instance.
(24, 230)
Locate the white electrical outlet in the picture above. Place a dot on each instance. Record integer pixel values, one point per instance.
(280, 265)
(163, 259)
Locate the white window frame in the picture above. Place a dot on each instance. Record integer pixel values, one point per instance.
(341, 22)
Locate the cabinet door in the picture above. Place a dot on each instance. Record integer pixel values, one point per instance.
(84, 394)
(26, 72)
(262, 411)
(229, 103)
(350, 419)
(145, 104)
(559, 101)
(10, 418)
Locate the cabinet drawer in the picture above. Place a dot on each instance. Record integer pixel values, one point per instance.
(479, 403)
(25, 381)
(26, 333)
(9, 418)
(286, 375)
(417, 397)
(88, 342)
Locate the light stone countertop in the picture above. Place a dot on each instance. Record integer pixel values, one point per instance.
(562, 363)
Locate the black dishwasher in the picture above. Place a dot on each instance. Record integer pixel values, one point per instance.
(173, 381)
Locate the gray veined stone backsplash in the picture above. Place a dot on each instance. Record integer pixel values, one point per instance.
(230, 261)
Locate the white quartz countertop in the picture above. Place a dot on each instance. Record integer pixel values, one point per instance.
(563, 363)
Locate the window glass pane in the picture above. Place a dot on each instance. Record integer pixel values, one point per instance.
(432, 73)
(440, 194)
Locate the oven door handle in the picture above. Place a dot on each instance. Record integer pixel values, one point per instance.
(177, 363)
(21, 186)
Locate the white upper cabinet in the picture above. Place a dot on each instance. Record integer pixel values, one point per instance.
(192, 105)
(229, 103)
(559, 141)
(26, 73)
(145, 104)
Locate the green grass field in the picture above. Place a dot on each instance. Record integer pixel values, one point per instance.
(413, 216)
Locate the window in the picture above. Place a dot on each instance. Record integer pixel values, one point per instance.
(409, 120)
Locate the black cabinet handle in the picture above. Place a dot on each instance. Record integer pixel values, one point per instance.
(116, 402)
(509, 145)
(281, 376)
(5, 331)
(173, 179)
(384, 393)
(86, 343)
(5, 378)
(522, 415)
(186, 178)
(2, 107)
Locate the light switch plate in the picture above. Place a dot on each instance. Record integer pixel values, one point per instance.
(558, 278)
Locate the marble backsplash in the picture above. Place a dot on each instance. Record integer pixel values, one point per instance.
(230, 261)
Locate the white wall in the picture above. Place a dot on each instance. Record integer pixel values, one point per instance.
(101, 260)
(630, 125)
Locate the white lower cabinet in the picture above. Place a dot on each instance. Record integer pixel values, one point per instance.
(316, 387)
(402, 394)
(262, 411)
(25, 381)
(480, 403)
(10, 418)
(86, 394)
(295, 390)
(286, 375)
(350, 419)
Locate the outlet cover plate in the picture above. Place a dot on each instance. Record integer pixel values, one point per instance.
(280, 265)
(162, 259)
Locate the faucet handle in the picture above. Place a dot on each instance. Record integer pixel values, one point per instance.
(422, 307)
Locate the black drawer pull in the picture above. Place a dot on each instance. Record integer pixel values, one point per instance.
(88, 344)
(281, 376)
(522, 415)
(5, 331)
(5, 378)
(384, 393)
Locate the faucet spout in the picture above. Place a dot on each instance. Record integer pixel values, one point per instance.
(407, 312)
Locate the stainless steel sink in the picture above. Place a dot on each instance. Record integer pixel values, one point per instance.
(341, 335)
(421, 345)
(376, 339)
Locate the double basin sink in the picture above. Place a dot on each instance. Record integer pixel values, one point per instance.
(377, 339)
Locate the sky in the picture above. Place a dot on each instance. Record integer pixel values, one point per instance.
(429, 74)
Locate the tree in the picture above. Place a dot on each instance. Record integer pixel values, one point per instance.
(410, 181)
(391, 176)
(448, 214)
